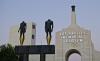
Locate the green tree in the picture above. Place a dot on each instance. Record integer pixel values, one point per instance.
(7, 53)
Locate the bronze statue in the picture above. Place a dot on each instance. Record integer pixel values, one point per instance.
(48, 30)
(22, 30)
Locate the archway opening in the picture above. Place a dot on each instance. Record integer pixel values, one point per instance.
(73, 55)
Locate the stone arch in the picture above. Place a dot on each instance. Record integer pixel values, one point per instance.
(71, 51)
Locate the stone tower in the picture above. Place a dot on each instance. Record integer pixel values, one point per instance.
(74, 39)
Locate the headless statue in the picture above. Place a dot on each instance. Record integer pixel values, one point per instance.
(22, 30)
(48, 30)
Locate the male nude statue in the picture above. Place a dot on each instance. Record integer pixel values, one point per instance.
(22, 30)
(48, 30)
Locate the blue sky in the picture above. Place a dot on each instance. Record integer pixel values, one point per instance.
(13, 12)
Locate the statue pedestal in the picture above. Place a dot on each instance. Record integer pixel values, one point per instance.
(25, 50)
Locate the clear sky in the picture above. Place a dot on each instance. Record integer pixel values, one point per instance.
(13, 12)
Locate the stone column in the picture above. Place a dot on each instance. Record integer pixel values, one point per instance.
(42, 57)
(23, 57)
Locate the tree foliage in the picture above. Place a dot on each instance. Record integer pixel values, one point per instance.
(7, 53)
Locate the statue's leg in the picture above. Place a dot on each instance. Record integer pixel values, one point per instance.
(20, 38)
(47, 37)
(23, 38)
(49, 41)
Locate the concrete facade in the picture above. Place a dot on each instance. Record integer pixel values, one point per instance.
(75, 39)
